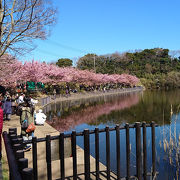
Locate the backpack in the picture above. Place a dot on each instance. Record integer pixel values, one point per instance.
(24, 119)
(26, 115)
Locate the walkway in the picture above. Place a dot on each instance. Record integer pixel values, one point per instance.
(42, 131)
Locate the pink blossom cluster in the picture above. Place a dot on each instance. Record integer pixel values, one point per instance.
(52, 74)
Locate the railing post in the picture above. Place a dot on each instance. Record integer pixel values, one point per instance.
(61, 154)
(86, 154)
(19, 154)
(27, 174)
(42, 102)
(138, 151)
(12, 136)
(12, 130)
(153, 149)
(107, 152)
(74, 154)
(17, 147)
(97, 151)
(34, 154)
(144, 152)
(20, 140)
(118, 151)
(127, 152)
(14, 141)
(22, 163)
(48, 157)
(13, 168)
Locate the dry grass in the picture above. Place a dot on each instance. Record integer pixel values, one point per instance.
(171, 144)
(5, 170)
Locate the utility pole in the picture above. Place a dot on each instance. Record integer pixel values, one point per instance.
(94, 64)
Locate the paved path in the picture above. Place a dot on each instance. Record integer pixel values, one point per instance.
(42, 131)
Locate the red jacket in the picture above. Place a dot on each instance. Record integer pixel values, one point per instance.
(1, 119)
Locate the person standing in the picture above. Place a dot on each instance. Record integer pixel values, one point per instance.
(13, 102)
(28, 115)
(7, 108)
(20, 101)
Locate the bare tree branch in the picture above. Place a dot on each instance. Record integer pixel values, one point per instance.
(22, 21)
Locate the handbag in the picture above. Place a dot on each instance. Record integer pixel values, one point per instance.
(31, 128)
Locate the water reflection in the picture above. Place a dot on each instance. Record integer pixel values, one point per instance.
(91, 113)
(159, 106)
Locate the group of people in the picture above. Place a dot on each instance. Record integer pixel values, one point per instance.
(23, 106)
(27, 113)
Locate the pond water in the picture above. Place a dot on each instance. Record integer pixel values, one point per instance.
(163, 107)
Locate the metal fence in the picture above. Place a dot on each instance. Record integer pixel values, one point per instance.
(18, 165)
(17, 161)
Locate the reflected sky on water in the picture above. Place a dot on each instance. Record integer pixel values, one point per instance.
(159, 106)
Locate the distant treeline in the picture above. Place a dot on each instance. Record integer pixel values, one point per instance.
(155, 67)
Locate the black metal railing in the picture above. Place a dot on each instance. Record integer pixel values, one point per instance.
(18, 165)
(13, 143)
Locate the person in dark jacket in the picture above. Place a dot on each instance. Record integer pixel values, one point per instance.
(7, 108)
(28, 115)
(1, 126)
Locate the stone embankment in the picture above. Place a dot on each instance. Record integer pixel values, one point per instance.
(85, 95)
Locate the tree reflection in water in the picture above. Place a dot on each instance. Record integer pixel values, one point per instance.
(91, 113)
(163, 107)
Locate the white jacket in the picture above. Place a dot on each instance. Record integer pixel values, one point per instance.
(40, 118)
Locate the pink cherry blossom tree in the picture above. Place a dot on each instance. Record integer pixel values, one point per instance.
(35, 71)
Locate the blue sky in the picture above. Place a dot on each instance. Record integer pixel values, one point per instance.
(108, 26)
